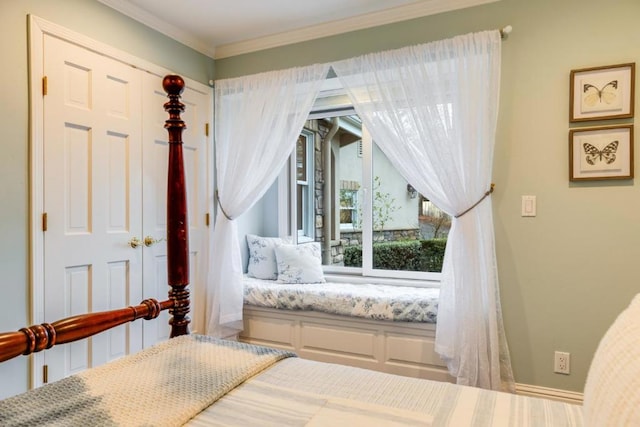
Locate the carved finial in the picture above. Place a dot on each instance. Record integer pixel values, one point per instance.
(172, 84)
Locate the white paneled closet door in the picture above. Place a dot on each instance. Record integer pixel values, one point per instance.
(93, 199)
(104, 162)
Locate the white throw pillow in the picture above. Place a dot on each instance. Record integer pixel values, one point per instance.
(262, 259)
(300, 263)
(612, 391)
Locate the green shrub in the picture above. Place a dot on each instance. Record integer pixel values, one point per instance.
(432, 254)
(408, 255)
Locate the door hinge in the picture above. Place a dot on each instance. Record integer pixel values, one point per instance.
(206, 129)
(44, 86)
(44, 221)
(45, 374)
(206, 219)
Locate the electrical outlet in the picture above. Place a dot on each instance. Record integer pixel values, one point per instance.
(562, 363)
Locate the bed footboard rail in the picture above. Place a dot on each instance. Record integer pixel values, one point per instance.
(36, 338)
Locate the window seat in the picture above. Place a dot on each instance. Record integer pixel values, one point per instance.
(381, 327)
(368, 301)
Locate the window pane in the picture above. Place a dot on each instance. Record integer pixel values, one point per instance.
(403, 238)
(301, 158)
(304, 186)
(406, 232)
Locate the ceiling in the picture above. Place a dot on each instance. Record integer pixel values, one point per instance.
(223, 28)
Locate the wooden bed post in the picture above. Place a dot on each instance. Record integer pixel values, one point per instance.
(177, 221)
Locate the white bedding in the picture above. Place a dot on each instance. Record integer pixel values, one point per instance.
(177, 381)
(298, 392)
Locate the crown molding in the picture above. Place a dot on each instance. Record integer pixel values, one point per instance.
(160, 25)
(374, 19)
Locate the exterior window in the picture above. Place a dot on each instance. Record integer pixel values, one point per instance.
(349, 219)
(365, 215)
(304, 159)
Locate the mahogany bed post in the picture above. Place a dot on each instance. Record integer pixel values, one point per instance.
(177, 221)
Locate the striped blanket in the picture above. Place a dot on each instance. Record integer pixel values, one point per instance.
(165, 385)
(298, 392)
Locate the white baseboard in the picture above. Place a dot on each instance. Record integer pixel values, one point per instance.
(550, 393)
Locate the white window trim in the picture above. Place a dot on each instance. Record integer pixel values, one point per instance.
(307, 234)
(354, 275)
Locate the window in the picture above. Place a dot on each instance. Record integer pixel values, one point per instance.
(350, 198)
(304, 160)
(349, 218)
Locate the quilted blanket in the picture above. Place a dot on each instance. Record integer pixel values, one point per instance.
(164, 385)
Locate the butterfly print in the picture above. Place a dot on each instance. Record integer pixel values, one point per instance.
(607, 154)
(592, 95)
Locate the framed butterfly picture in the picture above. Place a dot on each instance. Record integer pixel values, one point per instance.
(602, 93)
(601, 153)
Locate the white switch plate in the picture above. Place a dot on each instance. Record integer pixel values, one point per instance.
(528, 205)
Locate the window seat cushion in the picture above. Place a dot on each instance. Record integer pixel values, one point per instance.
(370, 301)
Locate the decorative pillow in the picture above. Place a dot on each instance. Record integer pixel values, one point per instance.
(299, 263)
(262, 259)
(612, 391)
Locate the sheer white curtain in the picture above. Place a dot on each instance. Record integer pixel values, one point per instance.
(258, 120)
(432, 109)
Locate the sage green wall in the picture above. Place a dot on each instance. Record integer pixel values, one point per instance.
(568, 272)
(101, 23)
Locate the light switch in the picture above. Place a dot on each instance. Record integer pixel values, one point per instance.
(528, 205)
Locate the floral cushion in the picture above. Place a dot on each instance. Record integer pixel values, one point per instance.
(262, 258)
(369, 301)
(299, 263)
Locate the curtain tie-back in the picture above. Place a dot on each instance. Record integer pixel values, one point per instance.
(221, 208)
(484, 196)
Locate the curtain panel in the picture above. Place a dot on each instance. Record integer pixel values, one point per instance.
(258, 120)
(432, 109)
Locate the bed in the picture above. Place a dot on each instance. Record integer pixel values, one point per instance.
(198, 380)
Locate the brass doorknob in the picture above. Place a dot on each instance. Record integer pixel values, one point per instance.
(149, 241)
(134, 242)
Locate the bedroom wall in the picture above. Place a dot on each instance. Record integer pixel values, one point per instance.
(567, 273)
(101, 23)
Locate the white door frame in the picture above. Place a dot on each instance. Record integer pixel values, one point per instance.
(38, 27)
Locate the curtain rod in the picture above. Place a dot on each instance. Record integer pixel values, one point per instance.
(504, 32)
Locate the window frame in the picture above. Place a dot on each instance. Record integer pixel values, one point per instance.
(332, 102)
(307, 233)
(353, 209)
